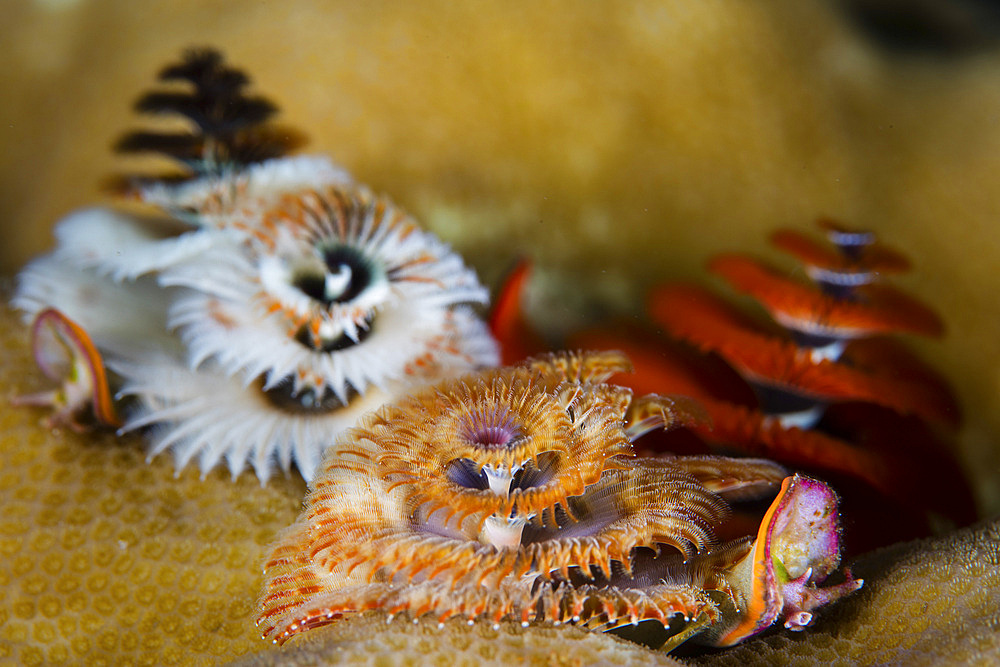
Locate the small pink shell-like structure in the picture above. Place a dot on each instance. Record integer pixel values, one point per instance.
(797, 546)
(515, 494)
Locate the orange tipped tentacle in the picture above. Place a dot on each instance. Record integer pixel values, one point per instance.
(876, 309)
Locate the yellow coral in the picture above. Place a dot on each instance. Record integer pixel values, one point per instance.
(617, 144)
(105, 559)
(642, 132)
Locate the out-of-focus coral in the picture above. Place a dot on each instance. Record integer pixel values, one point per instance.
(615, 144)
(832, 391)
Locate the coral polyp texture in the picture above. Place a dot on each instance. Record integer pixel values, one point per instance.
(107, 561)
(249, 305)
(514, 494)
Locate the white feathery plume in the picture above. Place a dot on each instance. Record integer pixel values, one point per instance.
(263, 304)
(209, 417)
(388, 299)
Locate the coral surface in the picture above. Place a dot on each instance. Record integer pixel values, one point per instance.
(369, 640)
(105, 559)
(617, 145)
(108, 560)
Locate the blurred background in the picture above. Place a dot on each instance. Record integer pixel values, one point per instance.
(618, 145)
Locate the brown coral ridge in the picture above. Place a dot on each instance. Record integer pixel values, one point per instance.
(514, 494)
